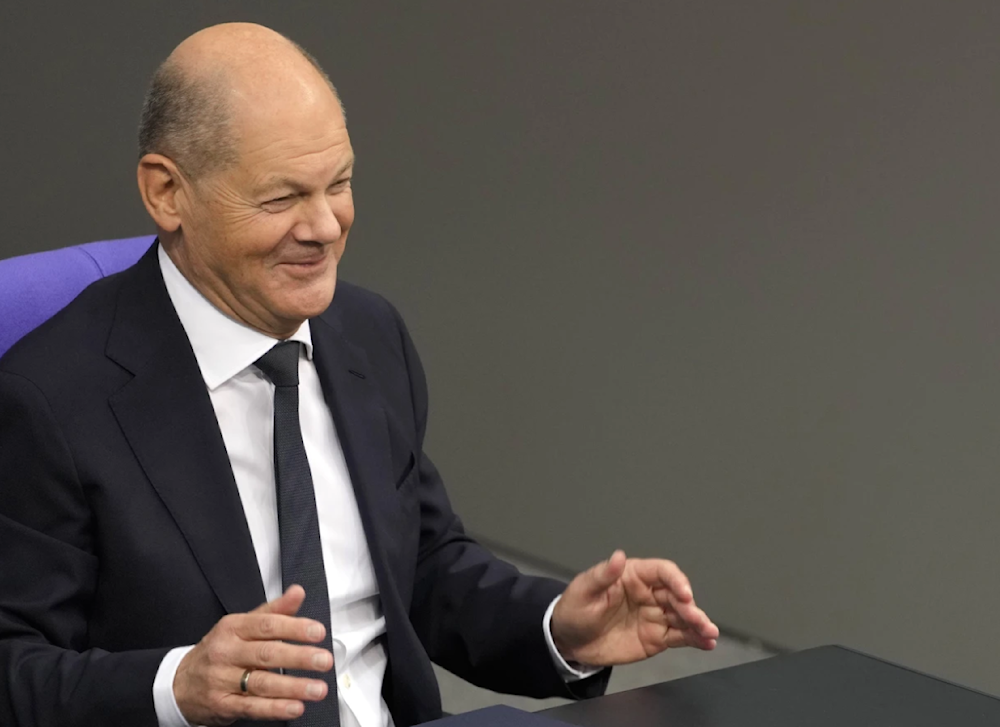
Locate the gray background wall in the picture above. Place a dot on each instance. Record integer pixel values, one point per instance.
(708, 280)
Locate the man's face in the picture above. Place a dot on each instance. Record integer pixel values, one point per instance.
(262, 239)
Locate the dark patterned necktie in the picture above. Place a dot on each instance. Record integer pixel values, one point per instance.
(298, 523)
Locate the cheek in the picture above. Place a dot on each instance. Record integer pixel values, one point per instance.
(255, 240)
(343, 208)
(229, 233)
(244, 256)
(345, 216)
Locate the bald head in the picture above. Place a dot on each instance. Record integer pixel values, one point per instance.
(208, 86)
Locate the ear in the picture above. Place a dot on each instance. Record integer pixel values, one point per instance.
(160, 182)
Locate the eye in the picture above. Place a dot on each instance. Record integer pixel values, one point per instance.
(279, 203)
(340, 185)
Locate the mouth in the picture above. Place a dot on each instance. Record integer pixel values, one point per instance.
(305, 266)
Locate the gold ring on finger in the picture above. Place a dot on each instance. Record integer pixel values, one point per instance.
(245, 681)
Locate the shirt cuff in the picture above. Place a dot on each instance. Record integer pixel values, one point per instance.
(570, 672)
(168, 714)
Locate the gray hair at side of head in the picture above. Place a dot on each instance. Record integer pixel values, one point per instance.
(187, 118)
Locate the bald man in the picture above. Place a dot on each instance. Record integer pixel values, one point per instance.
(214, 501)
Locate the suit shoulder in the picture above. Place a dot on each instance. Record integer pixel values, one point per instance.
(355, 299)
(69, 339)
(360, 312)
(369, 321)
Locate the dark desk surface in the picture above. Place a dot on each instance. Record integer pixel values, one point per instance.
(829, 686)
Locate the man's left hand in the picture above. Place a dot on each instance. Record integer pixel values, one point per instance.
(628, 609)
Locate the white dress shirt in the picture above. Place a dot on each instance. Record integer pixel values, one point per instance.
(243, 400)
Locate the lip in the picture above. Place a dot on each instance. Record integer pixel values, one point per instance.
(310, 261)
(306, 265)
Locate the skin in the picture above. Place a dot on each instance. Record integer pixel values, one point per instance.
(625, 609)
(261, 240)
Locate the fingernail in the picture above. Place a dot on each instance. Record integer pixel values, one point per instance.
(294, 710)
(315, 632)
(315, 689)
(321, 661)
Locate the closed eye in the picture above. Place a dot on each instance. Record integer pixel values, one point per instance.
(279, 204)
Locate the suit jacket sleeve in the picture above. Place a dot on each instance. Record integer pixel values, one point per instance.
(475, 614)
(48, 572)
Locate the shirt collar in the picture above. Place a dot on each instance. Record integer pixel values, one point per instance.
(222, 346)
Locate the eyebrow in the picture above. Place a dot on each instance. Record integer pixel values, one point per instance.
(282, 182)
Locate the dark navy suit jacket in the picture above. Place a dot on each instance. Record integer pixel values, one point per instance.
(122, 534)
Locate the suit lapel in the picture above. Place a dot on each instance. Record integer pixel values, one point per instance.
(363, 431)
(167, 417)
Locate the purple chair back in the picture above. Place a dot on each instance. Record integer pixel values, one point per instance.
(33, 288)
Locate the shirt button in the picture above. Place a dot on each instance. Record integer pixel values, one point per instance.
(346, 681)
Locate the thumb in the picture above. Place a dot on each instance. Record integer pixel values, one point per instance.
(287, 604)
(605, 574)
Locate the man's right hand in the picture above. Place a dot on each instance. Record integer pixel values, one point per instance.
(207, 683)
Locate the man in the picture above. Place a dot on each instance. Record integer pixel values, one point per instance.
(214, 501)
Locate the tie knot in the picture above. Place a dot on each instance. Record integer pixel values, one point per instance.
(281, 363)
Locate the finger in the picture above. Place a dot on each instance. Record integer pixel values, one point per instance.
(676, 639)
(279, 655)
(272, 626)
(692, 617)
(674, 621)
(287, 604)
(699, 621)
(698, 642)
(667, 599)
(663, 573)
(711, 631)
(246, 706)
(605, 574)
(263, 683)
(705, 630)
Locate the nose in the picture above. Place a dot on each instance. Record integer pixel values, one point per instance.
(319, 223)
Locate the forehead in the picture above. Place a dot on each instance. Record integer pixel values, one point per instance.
(305, 138)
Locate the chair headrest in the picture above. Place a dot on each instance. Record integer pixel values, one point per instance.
(35, 287)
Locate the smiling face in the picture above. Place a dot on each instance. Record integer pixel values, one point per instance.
(262, 239)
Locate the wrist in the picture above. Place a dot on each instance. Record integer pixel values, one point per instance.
(557, 630)
(168, 713)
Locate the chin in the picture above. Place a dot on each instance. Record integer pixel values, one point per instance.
(310, 305)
